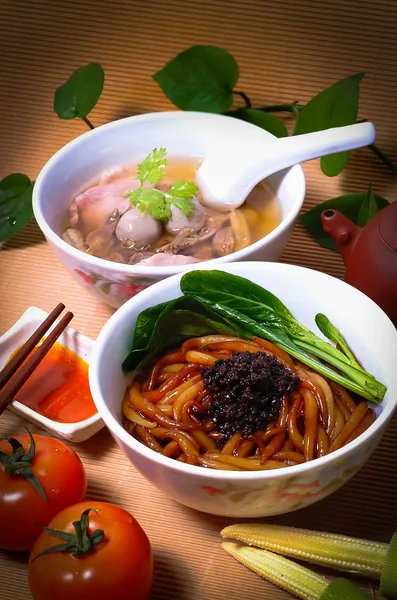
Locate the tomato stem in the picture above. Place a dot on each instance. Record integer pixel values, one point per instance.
(19, 462)
(78, 544)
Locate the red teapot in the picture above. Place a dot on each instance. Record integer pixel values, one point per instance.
(369, 254)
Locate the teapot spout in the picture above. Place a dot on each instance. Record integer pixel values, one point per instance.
(343, 231)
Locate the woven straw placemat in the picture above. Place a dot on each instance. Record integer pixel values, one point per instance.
(286, 50)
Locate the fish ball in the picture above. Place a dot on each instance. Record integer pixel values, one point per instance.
(136, 229)
(178, 221)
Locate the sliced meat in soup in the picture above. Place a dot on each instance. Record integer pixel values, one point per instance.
(93, 207)
(163, 259)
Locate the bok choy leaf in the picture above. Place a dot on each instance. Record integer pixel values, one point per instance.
(242, 301)
(171, 323)
(215, 301)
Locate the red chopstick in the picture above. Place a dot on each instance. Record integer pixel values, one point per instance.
(11, 386)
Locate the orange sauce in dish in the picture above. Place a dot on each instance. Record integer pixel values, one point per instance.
(58, 388)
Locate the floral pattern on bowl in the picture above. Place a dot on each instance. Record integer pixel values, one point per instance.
(289, 494)
(112, 292)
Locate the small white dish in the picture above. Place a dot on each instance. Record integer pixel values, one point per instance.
(71, 339)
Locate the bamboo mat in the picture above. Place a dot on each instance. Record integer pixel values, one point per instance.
(287, 50)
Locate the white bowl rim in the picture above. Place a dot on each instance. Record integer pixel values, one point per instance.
(135, 270)
(113, 424)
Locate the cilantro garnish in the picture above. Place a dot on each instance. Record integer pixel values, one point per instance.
(157, 203)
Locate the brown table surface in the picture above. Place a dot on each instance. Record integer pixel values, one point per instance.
(286, 51)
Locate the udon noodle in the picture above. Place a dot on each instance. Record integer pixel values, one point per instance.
(165, 408)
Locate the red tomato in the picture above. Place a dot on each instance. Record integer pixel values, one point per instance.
(61, 475)
(119, 567)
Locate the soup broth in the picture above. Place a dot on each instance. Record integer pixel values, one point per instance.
(101, 221)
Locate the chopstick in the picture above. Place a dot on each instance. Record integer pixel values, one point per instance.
(28, 346)
(9, 387)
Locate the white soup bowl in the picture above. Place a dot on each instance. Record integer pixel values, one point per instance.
(126, 141)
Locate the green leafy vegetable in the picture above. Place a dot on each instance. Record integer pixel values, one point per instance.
(333, 334)
(78, 96)
(215, 301)
(281, 337)
(367, 209)
(200, 78)
(261, 119)
(238, 292)
(349, 204)
(15, 204)
(334, 107)
(157, 203)
(231, 295)
(145, 325)
(170, 323)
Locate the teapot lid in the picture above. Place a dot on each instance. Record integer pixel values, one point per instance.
(387, 225)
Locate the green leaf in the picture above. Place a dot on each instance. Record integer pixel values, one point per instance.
(152, 202)
(367, 387)
(183, 189)
(236, 297)
(15, 204)
(236, 292)
(145, 325)
(151, 169)
(200, 78)
(255, 302)
(349, 205)
(367, 209)
(334, 107)
(332, 333)
(184, 204)
(261, 119)
(180, 195)
(78, 96)
(155, 202)
(169, 324)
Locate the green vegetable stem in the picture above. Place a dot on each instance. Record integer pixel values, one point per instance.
(237, 297)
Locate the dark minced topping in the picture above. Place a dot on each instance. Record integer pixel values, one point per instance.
(247, 390)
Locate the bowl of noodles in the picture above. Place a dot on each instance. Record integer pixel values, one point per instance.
(227, 414)
(118, 228)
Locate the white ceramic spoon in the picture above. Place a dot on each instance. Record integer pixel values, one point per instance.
(225, 179)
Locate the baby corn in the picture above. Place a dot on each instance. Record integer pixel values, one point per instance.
(279, 570)
(335, 551)
(292, 577)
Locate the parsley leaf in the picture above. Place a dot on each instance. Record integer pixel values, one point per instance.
(157, 203)
(152, 168)
(183, 189)
(151, 202)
